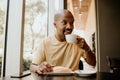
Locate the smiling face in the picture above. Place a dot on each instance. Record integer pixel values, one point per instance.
(63, 22)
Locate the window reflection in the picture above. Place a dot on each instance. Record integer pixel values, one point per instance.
(35, 28)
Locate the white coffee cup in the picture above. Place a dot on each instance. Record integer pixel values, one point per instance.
(71, 38)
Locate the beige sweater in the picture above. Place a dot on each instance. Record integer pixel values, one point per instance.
(59, 53)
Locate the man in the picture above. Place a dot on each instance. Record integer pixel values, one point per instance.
(55, 51)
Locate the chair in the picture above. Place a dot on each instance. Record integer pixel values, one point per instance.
(80, 65)
(114, 64)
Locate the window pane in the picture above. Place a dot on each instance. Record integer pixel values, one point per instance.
(35, 29)
(3, 7)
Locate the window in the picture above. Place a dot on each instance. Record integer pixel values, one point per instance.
(35, 28)
(38, 24)
(26, 28)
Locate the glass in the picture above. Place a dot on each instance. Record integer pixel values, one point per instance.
(35, 28)
(3, 7)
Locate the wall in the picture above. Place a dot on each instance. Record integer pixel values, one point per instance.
(108, 30)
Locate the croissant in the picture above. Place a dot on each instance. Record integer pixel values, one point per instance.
(61, 69)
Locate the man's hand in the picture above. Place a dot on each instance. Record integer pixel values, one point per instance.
(44, 67)
(82, 43)
(90, 56)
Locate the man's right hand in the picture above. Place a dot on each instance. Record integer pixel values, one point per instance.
(44, 67)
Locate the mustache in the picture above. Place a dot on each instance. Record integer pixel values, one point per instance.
(68, 30)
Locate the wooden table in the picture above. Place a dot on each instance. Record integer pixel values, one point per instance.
(97, 76)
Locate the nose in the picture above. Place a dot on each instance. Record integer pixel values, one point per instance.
(68, 26)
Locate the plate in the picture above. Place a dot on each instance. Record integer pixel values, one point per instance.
(85, 73)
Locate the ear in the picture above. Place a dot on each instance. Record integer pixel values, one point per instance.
(54, 24)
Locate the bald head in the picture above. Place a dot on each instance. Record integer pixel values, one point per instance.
(62, 13)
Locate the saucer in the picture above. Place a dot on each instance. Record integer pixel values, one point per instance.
(85, 73)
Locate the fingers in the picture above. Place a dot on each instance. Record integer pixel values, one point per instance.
(39, 71)
(46, 64)
(81, 41)
(48, 67)
(44, 67)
